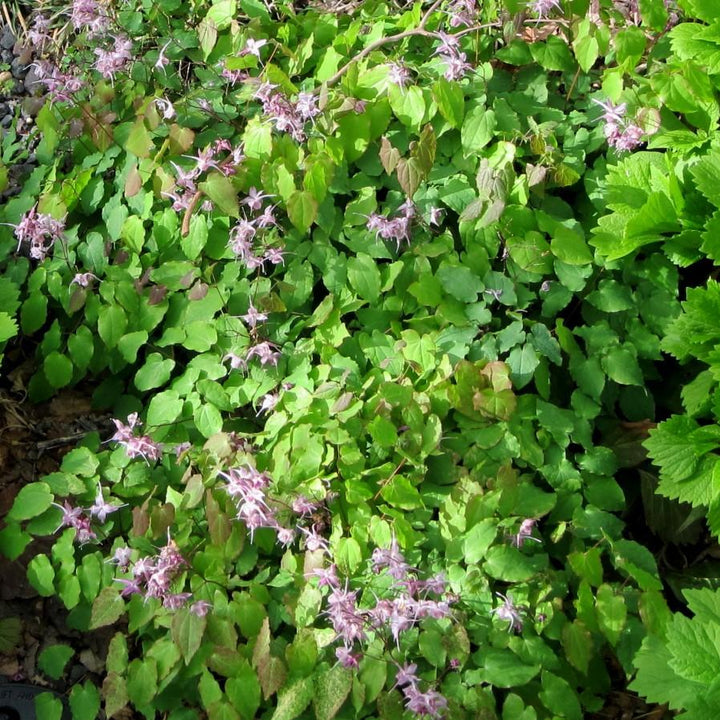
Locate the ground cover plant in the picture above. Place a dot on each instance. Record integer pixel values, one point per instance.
(387, 305)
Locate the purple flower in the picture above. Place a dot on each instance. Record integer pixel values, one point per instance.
(347, 620)
(173, 601)
(621, 134)
(89, 15)
(268, 403)
(200, 608)
(83, 279)
(392, 559)
(130, 587)
(398, 75)
(101, 509)
(253, 316)
(252, 47)
(327, 576)
(347, 658)
(140, 445)
(254, 199)
(166, 108)
(265, 352)
(543, 7)
(407, 676)
(40, 230)
(112, 61)
(426, 704)
(510, 612)
(121, 558)
(524, 533)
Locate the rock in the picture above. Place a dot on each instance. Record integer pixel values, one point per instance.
(7, 39)
(31, 80)
(18, 69)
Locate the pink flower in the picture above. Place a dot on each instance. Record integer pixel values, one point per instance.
(252, 47)
(254, 199)
(398, 75)
(347, 658)
(543, 7)
(200, 608)
(253, 316)
(524, 533)
(113, 61)
(510, 612)
(40, 230)
(100, 508)
(83, 279)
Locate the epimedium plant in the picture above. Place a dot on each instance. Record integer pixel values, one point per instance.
(334, 277)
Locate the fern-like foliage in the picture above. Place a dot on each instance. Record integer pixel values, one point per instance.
(683, 667)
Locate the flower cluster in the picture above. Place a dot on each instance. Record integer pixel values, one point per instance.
(287, 116)
(88, 15)
(398, 75)
(40, 231)
(429, 703)
(81, 518)
(456, 64)
(153, 577)
(249, 490)
(409, 602)
(621, 134)
(115, 59)
(246, 234)
(462, 12)
(396, 228)
(135, 445)
(61, 86)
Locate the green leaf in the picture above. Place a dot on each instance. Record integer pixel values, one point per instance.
(553, 54)
(129, 344)
(302, 210)
(586, 51)
(364, 277)
(294, 700)
(186, 630)
(112, 323)
(31, 501)
(154, 373)
(331, 689)
(504, 669)
(559, 697)
(578, 645)
(587, 566)
(81, 347)
(13, 541)
(450, 100)
(220, 190)
(8, 327)
(33, 313)
(41, 575)
(570, 247)
(621, 365)
(85, 701)
(107, 607)
(611, 613)
(142, 680)
(58, 369)
(523, 361)
(53, 659)
(654, 13)
(408, 104)
(477, 129)
(48, 706)
(507, 563)
(132, 234)
(208, 419)
(243, 691)
(165, 408)
(138, 141)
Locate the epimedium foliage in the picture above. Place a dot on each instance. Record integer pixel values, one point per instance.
(363, 292)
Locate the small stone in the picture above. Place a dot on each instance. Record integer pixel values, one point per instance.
(18, 69)
(31, 79)
(7, 39)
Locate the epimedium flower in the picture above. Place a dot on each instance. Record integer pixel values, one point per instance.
(543, 7)
(252, 47)
(510, 612)
(524, 533)
(40, 230)
(89, 15)
(622, 134)
(83, 279)
(100, 508)
(114, 60)
(135, 445)
(398, 75)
